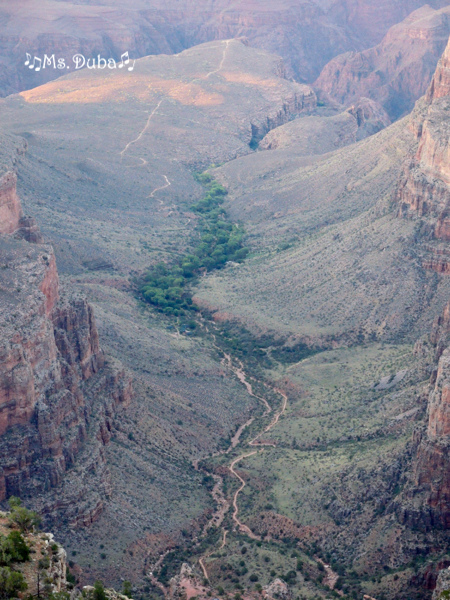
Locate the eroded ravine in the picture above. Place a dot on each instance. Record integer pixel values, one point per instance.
(217, 492)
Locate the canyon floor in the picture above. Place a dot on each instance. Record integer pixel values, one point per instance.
(331, 301)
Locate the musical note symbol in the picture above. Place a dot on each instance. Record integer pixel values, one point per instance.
(27, 62)
(131, 68)
(33, 66)
(127, 56)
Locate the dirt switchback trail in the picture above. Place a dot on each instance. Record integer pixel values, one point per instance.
(243, 528)
(221, 502)
(254, 442)
(201, 560)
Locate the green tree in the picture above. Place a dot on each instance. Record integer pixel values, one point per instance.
(26, 520)
(99, 591)
(13, 548)
(126, 589)
(11, 583)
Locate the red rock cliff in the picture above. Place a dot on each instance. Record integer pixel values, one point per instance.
(395, 73)
(58, 395)
(427, 499)
(424, 189)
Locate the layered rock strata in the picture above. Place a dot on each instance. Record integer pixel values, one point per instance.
(424, 189)
(58, 393)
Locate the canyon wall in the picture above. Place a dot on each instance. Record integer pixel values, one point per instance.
(307, 35)
(423, 195)
(303, 99)
(58, 393)
(397, 71)
(424, 189)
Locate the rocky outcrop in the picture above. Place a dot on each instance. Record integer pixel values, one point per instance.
(11, 214)
(440, 332)
(370, 117)
(395, 73)
(277, 590)
(10, 208)
(58, 394)
(442, 584)
(29, 230)
(424, 189)
(440, 86)
(88, 592)
(303, 99)
(427, 504)
(46, 571)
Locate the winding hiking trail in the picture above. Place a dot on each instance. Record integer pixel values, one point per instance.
(201, 560)
(226, 44)
(163, 187)
(153, 578)
(147, 125)
(222, 503)
(243, 528)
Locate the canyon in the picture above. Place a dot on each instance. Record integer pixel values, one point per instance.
(124, 426)
(397, 71)
(306, 35)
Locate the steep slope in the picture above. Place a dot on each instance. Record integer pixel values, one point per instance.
(397, 71)
(330, 258)
(307, 35)
(424, 193)
(124, 198)
(58, 396)
(320, 134)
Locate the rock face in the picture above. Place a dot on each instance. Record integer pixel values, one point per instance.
(10, 209)
(370, 117)
(424, 194)
(46, 551)
(58, 394)
(396, 72)
(314, 135)
(424, 190)
(432, 471)
(277, 590)
(307, 35)
(443, 583)
(303, 100)
(430, 490)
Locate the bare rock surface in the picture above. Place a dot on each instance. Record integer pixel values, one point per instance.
(398, 70)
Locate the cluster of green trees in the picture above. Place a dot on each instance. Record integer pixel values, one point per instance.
(11, 583)
(167, 287)
(14, 549)
(26, 520)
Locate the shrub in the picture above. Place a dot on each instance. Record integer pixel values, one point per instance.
(126, 589)
(13, 549)
(11, 583)
(99, 591)
(26, 520)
